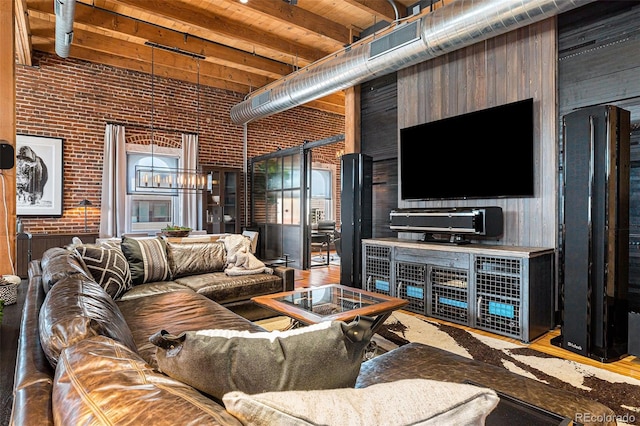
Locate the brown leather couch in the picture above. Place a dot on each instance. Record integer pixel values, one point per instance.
(113, 353)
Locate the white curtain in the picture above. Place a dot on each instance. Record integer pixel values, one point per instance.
(114, 178)
(188, 201)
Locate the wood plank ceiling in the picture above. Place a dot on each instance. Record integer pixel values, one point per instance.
(245, 46)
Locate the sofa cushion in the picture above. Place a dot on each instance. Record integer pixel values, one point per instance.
(221, 361)
(195, 258)
(223, 288)
(404, 402)
(175, 311)
(77, 308)
(58, 263)
(108, 267)
(147, 259)
(144, 290)
(100, 381)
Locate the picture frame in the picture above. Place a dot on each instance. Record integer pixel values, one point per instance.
(39, 172)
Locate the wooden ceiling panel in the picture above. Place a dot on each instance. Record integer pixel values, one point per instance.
(245, 46)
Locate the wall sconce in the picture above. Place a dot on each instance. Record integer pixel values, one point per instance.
(339, 153)
(85, 203)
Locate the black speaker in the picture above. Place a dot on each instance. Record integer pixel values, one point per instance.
(356, 193)
(595, 233)
(634, 333)
(7, 156)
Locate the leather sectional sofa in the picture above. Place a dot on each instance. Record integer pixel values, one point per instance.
(85, 357)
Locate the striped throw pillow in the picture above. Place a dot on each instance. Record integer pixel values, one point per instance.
(147, 259)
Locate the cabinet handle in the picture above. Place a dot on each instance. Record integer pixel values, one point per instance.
(478, 305)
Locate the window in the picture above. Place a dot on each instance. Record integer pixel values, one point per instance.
(321, 194)
(149, 212)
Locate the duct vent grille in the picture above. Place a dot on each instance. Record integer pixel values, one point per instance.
(261, 99)
(395, 39)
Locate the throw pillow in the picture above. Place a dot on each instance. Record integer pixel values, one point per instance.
(107, 266)
(100, 381)
(403, 402)
(195, 258)
(221, 361)
(147, 259)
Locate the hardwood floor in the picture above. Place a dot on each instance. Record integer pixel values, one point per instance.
(628, 366)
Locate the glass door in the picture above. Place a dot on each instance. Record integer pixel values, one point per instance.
(276, 211)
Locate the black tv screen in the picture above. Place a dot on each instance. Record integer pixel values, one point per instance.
(482, 154)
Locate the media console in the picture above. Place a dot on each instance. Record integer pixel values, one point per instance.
(505, 290)
(456, 222)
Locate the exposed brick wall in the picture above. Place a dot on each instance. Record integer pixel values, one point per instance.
(74, 100)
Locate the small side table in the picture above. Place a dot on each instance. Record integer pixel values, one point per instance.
(24, 250)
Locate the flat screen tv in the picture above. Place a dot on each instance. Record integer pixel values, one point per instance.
(482, 154)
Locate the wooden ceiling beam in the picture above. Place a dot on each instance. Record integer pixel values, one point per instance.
(381, 10)
(193, 17)
(23, 34)
(128, 50)
(332, 103)
(145, 67)
(324, 106)
(103, 21)
(334, 98)
(292, 15)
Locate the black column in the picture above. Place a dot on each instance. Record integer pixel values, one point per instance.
(355, 214)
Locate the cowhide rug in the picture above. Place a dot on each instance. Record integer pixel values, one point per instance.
(620, 393)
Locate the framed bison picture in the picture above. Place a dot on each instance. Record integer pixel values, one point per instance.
(38, 176)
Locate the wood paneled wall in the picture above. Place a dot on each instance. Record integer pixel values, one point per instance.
(518, 65)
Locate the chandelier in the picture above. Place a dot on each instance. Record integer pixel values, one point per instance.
(169, 180)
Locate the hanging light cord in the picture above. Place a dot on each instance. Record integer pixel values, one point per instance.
(198, 101)
(152, 104)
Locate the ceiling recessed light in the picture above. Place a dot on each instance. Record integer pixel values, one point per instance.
(244, 1)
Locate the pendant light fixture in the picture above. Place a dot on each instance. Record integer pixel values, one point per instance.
(169, 180)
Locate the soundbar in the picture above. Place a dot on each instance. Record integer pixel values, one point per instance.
(481, 221)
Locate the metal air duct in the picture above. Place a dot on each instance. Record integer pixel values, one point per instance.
(457, 25)
(65, 11)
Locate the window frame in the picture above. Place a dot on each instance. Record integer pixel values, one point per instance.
(132, 196)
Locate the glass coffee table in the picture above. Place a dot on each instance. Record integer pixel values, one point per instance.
(331, 302)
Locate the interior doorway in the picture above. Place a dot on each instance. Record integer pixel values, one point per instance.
(286, 203)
